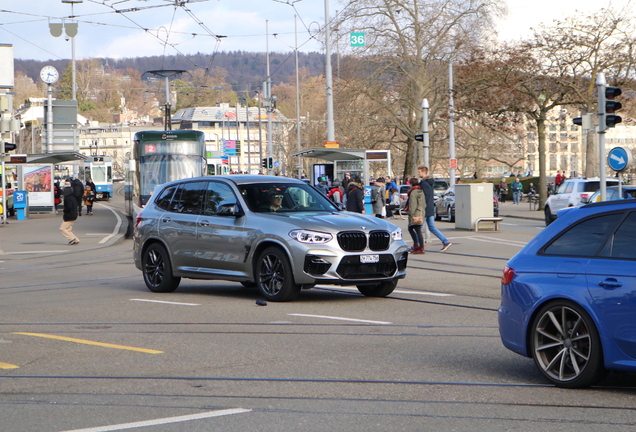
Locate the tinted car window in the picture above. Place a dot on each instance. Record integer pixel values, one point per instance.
(165, 197)
(296, 198)
(217, 194)
(623, 243)
(188, 199)
(585, 238)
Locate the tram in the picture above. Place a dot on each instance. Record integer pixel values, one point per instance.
(218, 166)
(100, 170)
(159, 157)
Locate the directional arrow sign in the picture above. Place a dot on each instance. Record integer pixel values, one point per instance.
(619, 158)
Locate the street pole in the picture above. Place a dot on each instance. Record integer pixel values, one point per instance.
(601, 83)
(270, 111)
(297, 101)
(331, 134)
(451, 126)
(425, 142)
(49, 119)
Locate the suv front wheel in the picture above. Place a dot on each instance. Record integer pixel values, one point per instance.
(158, 271)
(548, 216)
(274, 276)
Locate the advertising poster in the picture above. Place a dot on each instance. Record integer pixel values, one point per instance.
(38, 182)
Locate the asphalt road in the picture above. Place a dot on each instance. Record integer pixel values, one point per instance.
(85, 346)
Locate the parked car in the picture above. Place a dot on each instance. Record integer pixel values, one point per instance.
(570, 194)
(567, 298)
(445, 206)
(627, 192)
(278, 234)
(439, 188)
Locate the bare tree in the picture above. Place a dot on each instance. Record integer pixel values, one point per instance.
(408, 46)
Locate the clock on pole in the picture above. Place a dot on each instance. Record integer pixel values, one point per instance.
(49, 74)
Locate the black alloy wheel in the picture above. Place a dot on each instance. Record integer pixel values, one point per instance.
(274, 276)
(157, 270)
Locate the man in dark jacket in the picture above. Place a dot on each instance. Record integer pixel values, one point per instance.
(427, 184)
(70, 214)
(355, 196)
(78, 192)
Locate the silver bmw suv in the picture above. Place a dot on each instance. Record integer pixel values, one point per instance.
(276, 233)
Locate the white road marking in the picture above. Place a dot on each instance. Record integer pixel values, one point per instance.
(166, 302)
(117, 226)
(162, 421)
(340, 318)
(38, 252)
(426, 293)
(502, 242)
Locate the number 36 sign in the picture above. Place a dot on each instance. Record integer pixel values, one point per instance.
(356, 39)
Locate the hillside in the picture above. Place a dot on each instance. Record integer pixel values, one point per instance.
(244, 69)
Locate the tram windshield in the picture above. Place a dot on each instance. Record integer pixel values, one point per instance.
(162, 168)
(101, 174)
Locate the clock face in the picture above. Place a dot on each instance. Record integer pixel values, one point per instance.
(49, 74)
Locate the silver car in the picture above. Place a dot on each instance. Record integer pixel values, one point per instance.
(276, 233)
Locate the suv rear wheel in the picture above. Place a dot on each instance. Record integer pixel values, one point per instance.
(381, 289)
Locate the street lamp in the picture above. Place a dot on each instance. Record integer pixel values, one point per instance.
(71, 31)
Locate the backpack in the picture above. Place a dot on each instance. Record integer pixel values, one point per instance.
(78, 188)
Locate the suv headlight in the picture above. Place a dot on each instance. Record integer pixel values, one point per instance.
(396, 235)
(306, 236)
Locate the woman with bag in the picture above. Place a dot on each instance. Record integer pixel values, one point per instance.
(415, 207)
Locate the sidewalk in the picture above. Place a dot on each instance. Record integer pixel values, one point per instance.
(519, 211)
(40, 235)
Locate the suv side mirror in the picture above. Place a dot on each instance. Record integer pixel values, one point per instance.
(229, 210)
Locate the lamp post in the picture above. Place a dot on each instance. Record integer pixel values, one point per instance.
(71, 31)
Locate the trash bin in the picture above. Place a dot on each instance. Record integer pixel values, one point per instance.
(20, 204)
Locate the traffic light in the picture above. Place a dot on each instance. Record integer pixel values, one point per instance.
(9, 146)
(264, 162)
(612, 106)
(270, 162)
(419, 137)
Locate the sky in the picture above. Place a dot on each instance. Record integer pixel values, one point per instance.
(244, 24)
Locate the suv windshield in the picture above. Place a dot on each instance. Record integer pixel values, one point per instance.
(272, 197)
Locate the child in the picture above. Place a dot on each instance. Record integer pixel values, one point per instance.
(89, 198)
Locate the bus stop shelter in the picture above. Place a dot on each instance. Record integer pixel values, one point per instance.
(353, 161)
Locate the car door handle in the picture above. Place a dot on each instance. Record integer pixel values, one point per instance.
(204, 223)
(166, 220)
(610, 283)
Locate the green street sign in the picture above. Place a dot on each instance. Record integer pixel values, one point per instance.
(356, 39)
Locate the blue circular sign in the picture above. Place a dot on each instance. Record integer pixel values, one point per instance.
(619, 158)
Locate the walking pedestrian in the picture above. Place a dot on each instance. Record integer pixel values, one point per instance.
(415, 206)
(517, 191)
(355, 196)
(70, 214)
(335, 194)
(427, 183)
(378, 198)
(78, 193)
(89, 199)
(503, 190)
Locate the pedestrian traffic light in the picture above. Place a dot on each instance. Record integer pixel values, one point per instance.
(612, 106)
(270, 162)
(264, 162)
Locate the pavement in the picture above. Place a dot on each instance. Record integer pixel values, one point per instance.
(39, 235)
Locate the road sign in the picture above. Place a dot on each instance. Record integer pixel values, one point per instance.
(356, 39)
(453, 163)
(619, 158)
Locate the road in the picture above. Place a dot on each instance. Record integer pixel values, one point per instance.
(84, 346)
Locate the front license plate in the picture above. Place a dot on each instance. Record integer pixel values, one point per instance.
(369, 259)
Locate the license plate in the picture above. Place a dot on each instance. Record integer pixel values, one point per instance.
(369, 259)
